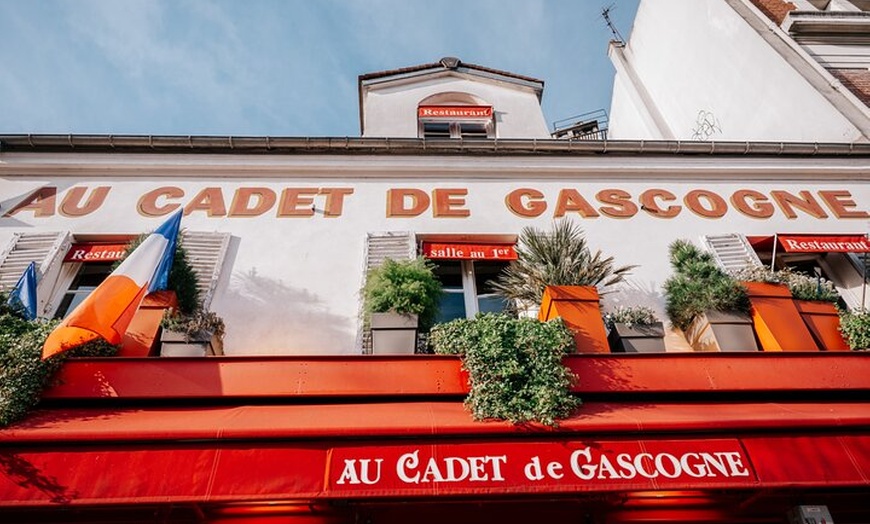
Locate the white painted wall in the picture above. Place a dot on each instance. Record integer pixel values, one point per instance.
(293, 286)
(701, 57)
(390, 110)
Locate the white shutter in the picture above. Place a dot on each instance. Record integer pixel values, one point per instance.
(46, 249)
(205, 254)
(731, 251)
(397, 245)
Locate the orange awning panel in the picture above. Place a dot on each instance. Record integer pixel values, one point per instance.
(390, 421)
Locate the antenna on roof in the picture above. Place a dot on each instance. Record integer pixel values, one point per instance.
(605, 14)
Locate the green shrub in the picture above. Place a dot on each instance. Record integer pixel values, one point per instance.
(515, 366)
(403, 286)
(698, 285)
(855, 327)
(23, 373)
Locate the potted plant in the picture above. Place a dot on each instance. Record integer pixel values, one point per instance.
(709, 306)
(514, 364)
(855, 327)
(634, 329)
(196, 334)
(816, 300)
(144, 334)
(400, 297)
(558, 270)
(777, 322)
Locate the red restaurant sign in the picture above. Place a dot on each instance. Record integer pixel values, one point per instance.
(454, 112)
(95, 252)
(548, 466)
(460, 251)
(825, 243)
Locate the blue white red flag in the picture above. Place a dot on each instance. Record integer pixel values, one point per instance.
(107, 311)
(23, 296)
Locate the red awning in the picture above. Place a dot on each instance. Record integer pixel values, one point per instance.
(824, 243)
(812, 243)
(140, 473)
(466, 251)
(425, 449)
(455, 112)
(386, 420)
(93, 252)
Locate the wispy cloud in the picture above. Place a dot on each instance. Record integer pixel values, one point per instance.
(271, 66)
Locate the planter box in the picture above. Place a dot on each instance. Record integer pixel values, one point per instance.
(720, 331)
(393, 334)
(776, 319)
(579, 308)
(637, 338)
(823, 322)
(142, 338)
(175, 344)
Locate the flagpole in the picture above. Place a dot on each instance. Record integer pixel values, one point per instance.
(773, 253)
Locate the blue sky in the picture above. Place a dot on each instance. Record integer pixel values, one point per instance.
(276, 67)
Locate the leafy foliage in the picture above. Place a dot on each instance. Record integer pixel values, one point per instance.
(515, 366)
(698, 285)
(802, 287)
(23, 373)
(630, 316)
(182, 277)
(855, 327)
(199, 325)
(403, 286)
(560, 257)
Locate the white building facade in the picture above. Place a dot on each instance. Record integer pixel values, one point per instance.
(282, 230)
(758, 70)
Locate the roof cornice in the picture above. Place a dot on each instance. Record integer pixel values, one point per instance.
(46, 143)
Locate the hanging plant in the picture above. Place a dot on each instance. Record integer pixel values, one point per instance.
(855, 327)
(515, 366)
(23, 373)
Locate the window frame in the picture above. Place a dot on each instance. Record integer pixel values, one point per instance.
(468, 274)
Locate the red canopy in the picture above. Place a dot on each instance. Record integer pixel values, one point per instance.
(134, 455)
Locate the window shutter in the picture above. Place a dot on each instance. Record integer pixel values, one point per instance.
(206, 252)
(731, 251)
(46, 249)
(397, 245)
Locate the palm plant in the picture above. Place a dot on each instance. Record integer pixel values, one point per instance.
(560, 257)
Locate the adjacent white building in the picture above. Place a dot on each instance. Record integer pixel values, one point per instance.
(757, 70)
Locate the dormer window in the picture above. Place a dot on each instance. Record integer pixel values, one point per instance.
(455, 122)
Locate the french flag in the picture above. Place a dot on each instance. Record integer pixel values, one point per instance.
(107, 311)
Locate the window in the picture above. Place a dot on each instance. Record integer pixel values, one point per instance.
(88, 277)
(467, 288)
(466, 271)
(70, 268)
(465, 130)
(455, 115)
